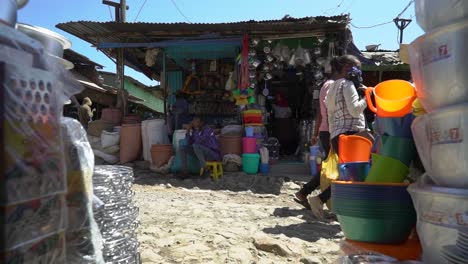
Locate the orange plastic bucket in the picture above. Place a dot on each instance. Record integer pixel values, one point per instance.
(354, 149)
(393, 98)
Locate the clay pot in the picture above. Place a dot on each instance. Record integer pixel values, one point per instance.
(112, 115)
(161, 154)
(131, 119)
(130, 142)
(230, 145)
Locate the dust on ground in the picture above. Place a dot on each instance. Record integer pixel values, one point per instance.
(238, 219)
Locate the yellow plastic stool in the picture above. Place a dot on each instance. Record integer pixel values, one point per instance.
(216, 168)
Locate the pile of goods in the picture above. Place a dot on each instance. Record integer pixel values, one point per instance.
(252, 143)
(117, 218)
(371, 200)
(438, 67)
(33, 199)
(116, 139)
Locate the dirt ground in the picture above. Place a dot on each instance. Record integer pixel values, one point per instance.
(238, 219)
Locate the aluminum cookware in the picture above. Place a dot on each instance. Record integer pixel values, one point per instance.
(53, 43)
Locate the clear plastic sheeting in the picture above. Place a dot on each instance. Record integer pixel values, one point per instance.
(83, 238)
(117, 218)
(33, 89)
(33, 220)
(368, 258)
(49, 249)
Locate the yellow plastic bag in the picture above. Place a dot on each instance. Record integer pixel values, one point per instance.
(329, 172)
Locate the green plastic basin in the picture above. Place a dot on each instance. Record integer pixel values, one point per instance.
(375, 230)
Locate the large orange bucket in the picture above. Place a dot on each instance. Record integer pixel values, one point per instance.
(354, 149)
(393, 98)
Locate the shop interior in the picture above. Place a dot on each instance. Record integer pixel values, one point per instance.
(282, 78)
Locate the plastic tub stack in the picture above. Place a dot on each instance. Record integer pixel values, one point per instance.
(371, 200)
(253, 141)
(439, 66)
(117, 217)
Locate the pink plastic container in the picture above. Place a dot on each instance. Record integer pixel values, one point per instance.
(249, 145)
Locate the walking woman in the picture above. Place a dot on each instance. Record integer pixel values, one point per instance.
(345, 113)
(322, 134)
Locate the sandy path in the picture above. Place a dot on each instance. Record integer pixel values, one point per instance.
(239, 219)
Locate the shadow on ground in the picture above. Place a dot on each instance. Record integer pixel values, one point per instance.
(310, 231)
(302, 213)
(236, 182)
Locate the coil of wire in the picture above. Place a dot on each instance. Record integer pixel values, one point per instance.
(117, 218)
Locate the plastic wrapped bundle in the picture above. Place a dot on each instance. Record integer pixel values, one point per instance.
(83, 239)
(117, 218)
(33, 89)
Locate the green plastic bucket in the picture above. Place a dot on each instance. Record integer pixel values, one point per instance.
(399, 148)
(386, 169)
(250, 163)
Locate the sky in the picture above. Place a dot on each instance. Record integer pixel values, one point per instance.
(364, 13)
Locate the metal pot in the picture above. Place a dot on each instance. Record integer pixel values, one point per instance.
(8, 12)
(53, 43)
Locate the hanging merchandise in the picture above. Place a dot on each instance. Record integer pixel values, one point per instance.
(244, 67)
(265, 91)
(254, 42)
(285, 53)
(331, 55)
(292, 59)
(230, 83)
(299, 56)
(213, 66)
(307, 57)
(276, 52)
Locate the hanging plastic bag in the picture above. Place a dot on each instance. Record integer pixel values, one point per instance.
(331, 55)
(276, 52)
(329, 172)
(229, 83)
(299, 56)
(285, 53)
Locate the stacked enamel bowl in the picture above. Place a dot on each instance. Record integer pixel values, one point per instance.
(438, 66)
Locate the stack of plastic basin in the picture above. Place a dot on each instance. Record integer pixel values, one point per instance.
(373, 212)
(395, 150)
(354, 155)
(394, 144)
(438, 67)
(442, 216)
(250, 156)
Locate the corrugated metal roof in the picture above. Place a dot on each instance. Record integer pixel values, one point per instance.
(77, 58)
(145, 32)
(141, 32)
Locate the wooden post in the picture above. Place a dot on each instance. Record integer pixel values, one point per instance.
(164, 85)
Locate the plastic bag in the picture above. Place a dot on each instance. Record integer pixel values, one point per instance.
(83, 238)
(109, 139)
(329, 172)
